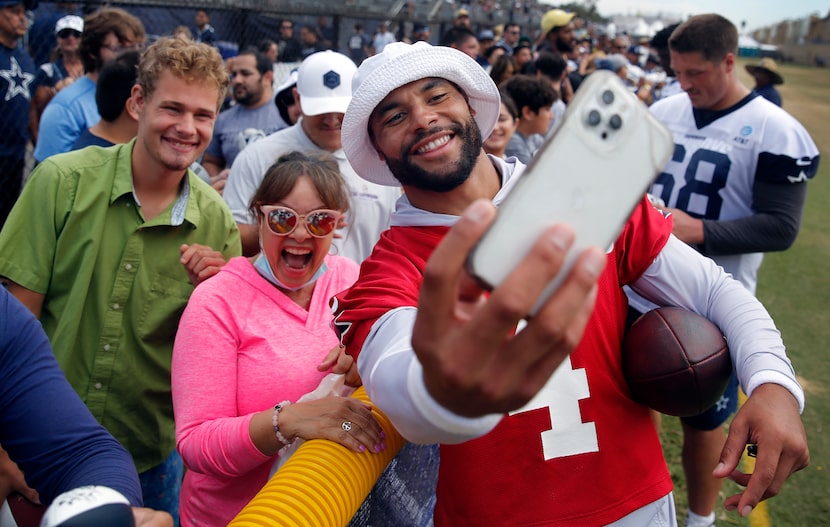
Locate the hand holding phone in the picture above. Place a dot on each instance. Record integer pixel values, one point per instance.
(590, 174)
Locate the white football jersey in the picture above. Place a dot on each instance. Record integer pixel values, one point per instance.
(715, 164)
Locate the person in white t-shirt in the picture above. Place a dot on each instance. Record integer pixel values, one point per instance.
(382, 37)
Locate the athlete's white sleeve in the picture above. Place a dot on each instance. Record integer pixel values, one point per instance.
(682, 277)
(394, 381)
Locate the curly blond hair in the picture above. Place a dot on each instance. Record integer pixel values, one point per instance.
(191, 61)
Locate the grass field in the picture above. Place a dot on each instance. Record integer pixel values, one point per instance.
(794, 286)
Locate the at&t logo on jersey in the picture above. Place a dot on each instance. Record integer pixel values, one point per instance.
(743, 135)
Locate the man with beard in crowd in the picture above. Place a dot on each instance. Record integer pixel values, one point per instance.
(558, 36)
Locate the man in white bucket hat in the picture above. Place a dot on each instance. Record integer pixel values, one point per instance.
(520, 444)
(324, 90)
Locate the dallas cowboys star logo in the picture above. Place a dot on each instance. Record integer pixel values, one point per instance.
(722, 403)
(18, 80)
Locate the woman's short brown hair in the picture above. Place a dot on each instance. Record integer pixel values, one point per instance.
(320, 168)
(126, 27)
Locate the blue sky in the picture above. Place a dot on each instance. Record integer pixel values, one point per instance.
(756, 13)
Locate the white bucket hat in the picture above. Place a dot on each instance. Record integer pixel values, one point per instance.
(324, 82)
(400, 64)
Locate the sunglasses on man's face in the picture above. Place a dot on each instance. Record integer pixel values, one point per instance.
(66, 33)
(282, 221)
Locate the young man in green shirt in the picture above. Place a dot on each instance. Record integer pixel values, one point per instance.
(106, 245)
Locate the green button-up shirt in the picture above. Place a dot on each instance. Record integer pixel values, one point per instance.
(113, 284)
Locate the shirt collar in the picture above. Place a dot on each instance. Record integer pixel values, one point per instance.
(123, 184)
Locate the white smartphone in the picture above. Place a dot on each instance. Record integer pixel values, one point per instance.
(590, 174)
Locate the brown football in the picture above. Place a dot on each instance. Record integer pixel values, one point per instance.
(676, 361)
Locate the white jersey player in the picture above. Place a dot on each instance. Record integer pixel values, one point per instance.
(743, 171)
(736, 187)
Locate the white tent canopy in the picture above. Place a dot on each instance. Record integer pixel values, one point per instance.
(745, 41)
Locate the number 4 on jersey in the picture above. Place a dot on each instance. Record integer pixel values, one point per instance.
(568, 435)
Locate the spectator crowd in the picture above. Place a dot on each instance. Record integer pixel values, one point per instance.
(202, 238)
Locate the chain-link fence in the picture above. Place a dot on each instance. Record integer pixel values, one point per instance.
(239, 24)
(242, 23)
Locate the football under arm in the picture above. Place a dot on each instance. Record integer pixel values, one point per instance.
(682, 277)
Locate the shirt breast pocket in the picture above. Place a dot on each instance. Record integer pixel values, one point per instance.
(162, 309)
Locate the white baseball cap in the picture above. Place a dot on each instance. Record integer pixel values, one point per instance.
(70, 22)
(324, 82)
(400, 64)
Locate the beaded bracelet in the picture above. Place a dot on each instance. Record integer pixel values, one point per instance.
(275, 421)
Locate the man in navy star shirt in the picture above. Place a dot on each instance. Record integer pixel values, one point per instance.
(17, 84)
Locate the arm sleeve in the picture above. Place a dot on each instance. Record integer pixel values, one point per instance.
(29, 238)
(211, 436)
(773, 227)
(43, 77)
(394, 381)
(681, 277)
(45, 427)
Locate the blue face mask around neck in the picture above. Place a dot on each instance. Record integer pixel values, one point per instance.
(263, 267)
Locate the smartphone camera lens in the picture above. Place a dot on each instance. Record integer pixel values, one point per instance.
(615, 121)
(594, 118)
(607, 96)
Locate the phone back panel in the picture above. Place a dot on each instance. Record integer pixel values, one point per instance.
(590, 174)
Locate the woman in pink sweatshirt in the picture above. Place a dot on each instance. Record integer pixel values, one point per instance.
(256, 337)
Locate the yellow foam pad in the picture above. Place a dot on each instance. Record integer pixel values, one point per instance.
(322, 484)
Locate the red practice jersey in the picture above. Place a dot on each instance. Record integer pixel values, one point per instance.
(581, 452)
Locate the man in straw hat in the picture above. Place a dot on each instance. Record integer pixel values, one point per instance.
(735, 187)
(543, 412)
(462, 19)
(766, 77)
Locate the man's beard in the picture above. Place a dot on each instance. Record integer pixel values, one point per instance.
(564, 47)
(245, 98)
(411, 175)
